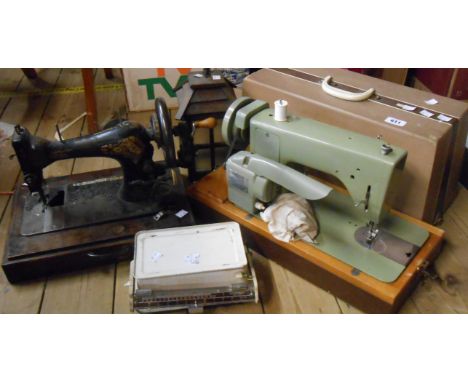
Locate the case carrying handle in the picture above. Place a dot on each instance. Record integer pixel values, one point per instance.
(343, 94)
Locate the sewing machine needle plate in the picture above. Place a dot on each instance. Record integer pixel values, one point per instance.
(343, 234)
(388, 245)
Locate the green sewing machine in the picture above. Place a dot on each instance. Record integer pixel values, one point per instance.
(355, 228)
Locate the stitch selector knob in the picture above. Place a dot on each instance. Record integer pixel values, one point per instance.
(386, 149)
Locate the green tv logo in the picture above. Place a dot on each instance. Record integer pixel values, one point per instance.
(152, 83)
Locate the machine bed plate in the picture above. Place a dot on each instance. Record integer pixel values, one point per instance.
(86, 203)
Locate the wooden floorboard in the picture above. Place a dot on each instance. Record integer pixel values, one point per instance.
(346, 308)
(449, 292)
(23, 298)
(103, 289)
(284, 292)
(121, 297)
(27, 111)
(9, 82)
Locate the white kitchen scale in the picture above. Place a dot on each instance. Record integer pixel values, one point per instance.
(191, 267)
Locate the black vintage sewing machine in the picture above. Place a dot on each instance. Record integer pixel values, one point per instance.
(80, 220)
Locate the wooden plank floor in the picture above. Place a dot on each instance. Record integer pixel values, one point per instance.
(102, 290)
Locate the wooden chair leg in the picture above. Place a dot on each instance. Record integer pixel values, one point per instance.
(30, 73)
(109, 74)
(90, 97)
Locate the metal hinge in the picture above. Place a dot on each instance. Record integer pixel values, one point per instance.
(428, 271)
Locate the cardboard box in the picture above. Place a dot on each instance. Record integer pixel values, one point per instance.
(396, 75)
(142, 86)
(435, 142)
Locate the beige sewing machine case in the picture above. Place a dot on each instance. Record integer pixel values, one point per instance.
(431, 128)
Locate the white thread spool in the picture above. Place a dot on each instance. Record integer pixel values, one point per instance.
(281, 110)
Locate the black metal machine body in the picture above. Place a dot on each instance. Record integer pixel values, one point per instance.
(98, 209)
(127, 142)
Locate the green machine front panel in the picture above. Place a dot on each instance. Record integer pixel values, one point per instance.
(356, 160)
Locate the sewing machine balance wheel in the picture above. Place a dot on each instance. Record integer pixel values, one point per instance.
(163, 134)
(228, 130)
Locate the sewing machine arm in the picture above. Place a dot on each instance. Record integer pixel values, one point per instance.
(253, 177)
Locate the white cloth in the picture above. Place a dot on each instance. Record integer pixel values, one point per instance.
(291, 218)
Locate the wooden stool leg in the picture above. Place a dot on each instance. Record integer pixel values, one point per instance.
(30, 73)
(90, 97)
(109, 74)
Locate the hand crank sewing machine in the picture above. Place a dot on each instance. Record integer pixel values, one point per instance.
(364, 254)
(76, 221)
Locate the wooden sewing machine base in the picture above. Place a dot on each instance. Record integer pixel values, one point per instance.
(210, 203)
(78, 247)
